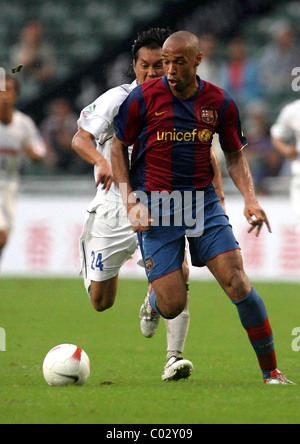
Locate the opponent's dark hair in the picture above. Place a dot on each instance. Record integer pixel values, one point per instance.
(152, 39)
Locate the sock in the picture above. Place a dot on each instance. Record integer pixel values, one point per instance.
(177, 330)
(254, 318)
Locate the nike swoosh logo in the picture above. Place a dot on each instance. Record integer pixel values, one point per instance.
(75, 378)
(159, 114)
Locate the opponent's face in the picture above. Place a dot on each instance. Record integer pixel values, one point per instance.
(8, 98)
(180, 66)
(148, 65)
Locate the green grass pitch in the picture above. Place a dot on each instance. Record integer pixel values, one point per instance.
(125, 385)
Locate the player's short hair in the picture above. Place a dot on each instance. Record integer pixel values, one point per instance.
(152, 39)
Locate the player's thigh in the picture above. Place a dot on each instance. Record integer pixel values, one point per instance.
(105, 249)
(228, 269)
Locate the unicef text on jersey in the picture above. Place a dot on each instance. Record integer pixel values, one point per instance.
(296, 81)
(2, 340)
(2, 79)
(180, 209)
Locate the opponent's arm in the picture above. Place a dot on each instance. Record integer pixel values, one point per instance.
(240, 173)
(83, 144)
(137, 213)
(287, 150)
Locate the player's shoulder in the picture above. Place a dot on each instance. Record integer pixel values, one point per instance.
(116, 94)
(148, 87)
(23, 119)
(214, 90)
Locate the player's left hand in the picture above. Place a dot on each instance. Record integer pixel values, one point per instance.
(256, 217)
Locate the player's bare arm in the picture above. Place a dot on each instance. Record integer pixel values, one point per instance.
(287, 150)
(137, 213)
(36, 155)
(240, 173)
(218, 183)
(83, 144)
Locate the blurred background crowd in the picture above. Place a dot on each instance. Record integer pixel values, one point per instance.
(72, 51)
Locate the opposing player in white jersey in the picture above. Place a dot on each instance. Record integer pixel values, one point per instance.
(18, 136)
(108, 241)
(285, 135)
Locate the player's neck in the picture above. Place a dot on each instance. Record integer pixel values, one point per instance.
(6, 115)
(187, 92)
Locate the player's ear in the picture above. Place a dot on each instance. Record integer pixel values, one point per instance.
(198, 59)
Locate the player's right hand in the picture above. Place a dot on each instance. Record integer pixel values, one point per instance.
(104, 175)
(139, 217)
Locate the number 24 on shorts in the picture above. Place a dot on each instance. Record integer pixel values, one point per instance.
(96, 261)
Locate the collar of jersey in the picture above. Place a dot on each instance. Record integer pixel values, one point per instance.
(164, 79)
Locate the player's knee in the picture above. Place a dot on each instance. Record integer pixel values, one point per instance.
(102, 301)
(237, 285)
(101, 306)
(170, 309)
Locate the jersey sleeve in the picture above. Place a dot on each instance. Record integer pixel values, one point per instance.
(230, 131)
(282, 127)
(128, 123)
(98, 116)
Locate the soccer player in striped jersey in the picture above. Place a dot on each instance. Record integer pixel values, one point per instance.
(171, 122)
(105, 246)
(19, 136)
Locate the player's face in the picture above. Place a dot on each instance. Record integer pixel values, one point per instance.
(180, 66)
(8, 98)
(148, 65)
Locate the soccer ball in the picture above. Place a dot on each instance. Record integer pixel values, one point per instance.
(66, 364)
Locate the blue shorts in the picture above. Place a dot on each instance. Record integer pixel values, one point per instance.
(163, 247)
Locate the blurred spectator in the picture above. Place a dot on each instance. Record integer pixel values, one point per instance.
(240, 74)
(58, 130)
(263, 159)
(36, 56)
(210, 65)
(278, 59)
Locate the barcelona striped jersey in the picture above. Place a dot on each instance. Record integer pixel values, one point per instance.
(172, 137)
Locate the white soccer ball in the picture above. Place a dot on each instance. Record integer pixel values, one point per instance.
(66, 364)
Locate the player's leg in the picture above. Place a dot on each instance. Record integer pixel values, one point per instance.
(229, 272)
(103, 294)
(177, 329)
(7, 216)
(4, 234)
(105, 246)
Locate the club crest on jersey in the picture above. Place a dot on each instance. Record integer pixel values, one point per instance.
(209, 115)
(149, 263)
(88, 110)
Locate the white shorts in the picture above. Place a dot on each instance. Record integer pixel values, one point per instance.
(107, 241)
(8, 198)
